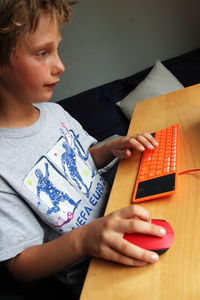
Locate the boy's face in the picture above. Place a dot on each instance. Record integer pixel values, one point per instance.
(35, 66)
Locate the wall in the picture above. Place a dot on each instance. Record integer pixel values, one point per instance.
(108, 40)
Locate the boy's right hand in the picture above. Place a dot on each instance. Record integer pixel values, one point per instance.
(103, 237)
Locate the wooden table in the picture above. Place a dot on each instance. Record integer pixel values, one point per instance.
(177, 274)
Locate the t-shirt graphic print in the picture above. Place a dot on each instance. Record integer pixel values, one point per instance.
(69, 191)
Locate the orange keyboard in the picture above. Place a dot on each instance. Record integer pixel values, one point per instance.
(158, 167)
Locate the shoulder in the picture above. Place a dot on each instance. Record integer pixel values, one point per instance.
(49, 106)
(56, 112)
(53, 109)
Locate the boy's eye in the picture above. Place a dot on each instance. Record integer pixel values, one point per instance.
(42, 53)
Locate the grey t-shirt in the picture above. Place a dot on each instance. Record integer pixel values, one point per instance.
(49, 184)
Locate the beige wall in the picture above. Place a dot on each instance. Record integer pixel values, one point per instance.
(112, 39)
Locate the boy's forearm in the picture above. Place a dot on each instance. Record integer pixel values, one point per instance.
(102, 155)
(50, 258)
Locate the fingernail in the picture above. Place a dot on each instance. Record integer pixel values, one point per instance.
(154, 257)
(162, 231)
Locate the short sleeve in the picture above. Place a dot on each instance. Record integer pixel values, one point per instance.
(19, 228)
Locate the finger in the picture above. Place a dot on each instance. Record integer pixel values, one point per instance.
(146, 140)
(139, 142)
(135, 143)
(148, 136)
(134, 211)
(129, 257)
(143, 227)
(128, 143)
(128, 253)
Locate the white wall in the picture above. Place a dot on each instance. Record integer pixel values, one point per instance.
(112, 39)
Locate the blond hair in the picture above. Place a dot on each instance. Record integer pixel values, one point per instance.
(18, 17)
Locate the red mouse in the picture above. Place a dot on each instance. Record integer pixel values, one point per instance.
(150, 242)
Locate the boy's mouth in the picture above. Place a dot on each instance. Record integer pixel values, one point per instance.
(51, 85)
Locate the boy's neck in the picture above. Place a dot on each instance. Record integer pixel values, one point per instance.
(19, 116)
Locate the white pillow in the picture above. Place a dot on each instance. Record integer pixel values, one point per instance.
(159, 81)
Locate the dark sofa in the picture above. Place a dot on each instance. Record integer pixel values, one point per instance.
(96, 110)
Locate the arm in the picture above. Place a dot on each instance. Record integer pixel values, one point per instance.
(102, 238)
(121, 148)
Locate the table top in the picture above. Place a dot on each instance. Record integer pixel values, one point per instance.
(177, 273)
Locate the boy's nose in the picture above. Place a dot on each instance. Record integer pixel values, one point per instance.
(58, 67)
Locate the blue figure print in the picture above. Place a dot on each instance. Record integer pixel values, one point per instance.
(78, 146)
(68, 158)
(55, 195)
(75, 141)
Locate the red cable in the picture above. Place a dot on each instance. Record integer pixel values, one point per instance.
(192, 170)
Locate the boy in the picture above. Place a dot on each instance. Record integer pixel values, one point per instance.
(51, 194)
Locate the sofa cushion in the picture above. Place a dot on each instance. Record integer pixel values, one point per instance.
(159, 81)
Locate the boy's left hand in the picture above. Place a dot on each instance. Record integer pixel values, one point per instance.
(123, 146)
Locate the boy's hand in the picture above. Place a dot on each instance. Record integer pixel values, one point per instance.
(103, 238)
(123, 146)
